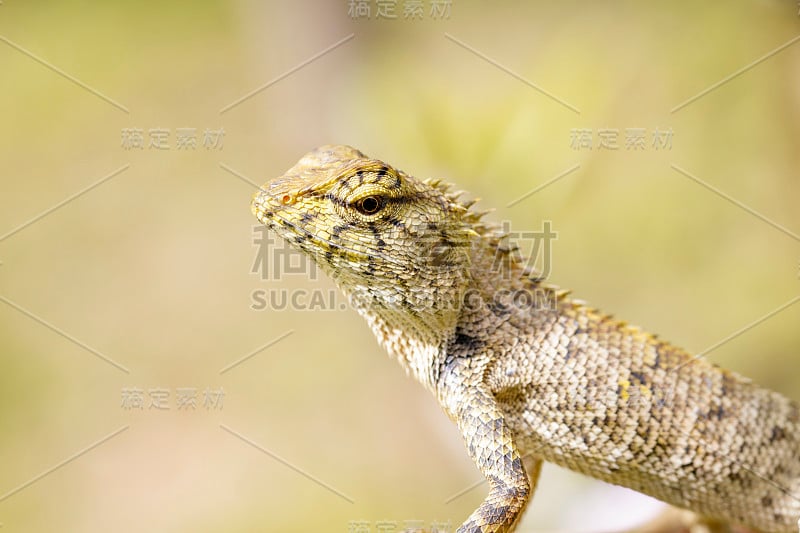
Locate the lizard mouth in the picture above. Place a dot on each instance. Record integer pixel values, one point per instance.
(260, 207)
(266, 207)
(269, 209)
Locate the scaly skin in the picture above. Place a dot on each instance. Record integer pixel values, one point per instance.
(525, 371)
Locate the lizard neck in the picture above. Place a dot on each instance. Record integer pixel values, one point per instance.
(417, 339)
(419, 326)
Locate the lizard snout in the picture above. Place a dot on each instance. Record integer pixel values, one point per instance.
(273, 194)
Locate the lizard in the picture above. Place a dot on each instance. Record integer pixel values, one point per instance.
(526, 372)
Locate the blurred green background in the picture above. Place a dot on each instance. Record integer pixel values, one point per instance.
(152, 267)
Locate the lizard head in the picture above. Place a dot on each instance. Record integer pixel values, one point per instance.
(389, 240)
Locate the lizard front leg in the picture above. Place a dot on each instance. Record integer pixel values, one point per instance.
(491, 446)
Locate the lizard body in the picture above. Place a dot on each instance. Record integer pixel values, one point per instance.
(527, 373)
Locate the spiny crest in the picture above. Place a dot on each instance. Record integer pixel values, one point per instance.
(600, 317)
(470, 216)
(492, 233)
(495, 236)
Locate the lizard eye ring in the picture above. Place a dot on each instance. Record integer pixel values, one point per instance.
(369, 205)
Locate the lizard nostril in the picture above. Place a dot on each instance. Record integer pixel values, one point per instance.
(287, 199)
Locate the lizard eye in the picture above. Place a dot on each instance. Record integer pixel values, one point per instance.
(369, 205)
